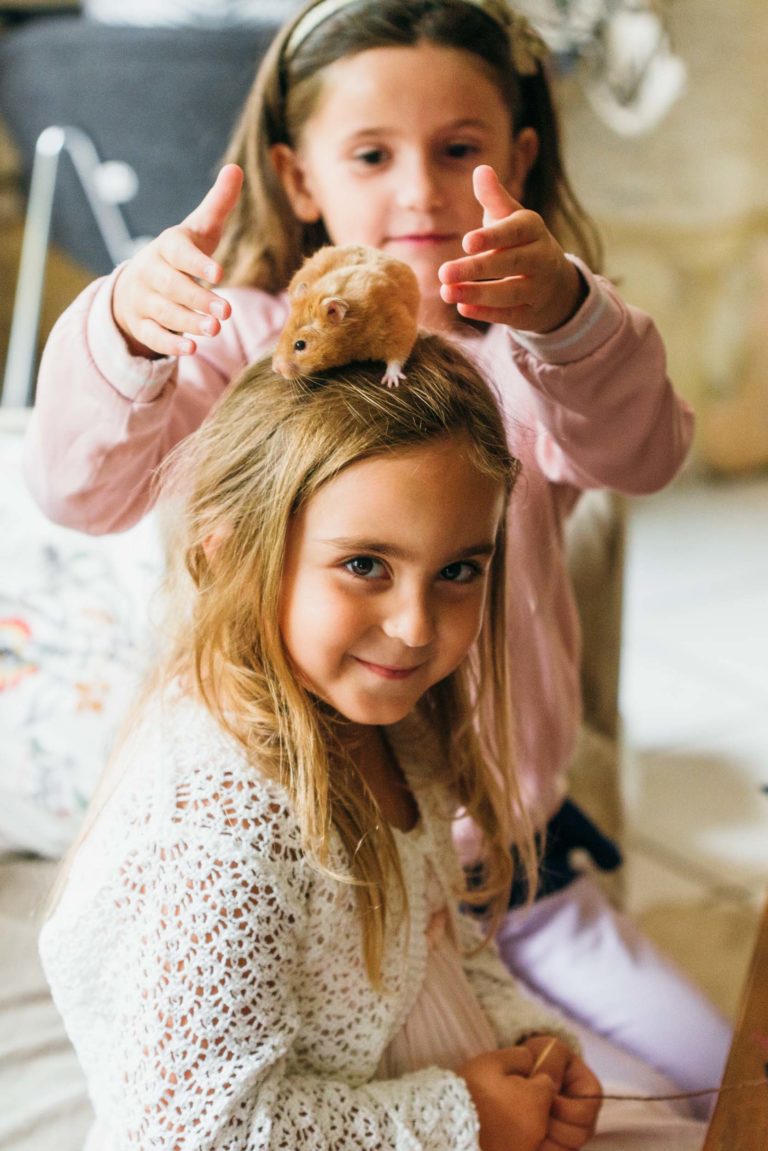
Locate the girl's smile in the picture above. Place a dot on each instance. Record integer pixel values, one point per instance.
(385, 578)
(386, 158)
(387, 672)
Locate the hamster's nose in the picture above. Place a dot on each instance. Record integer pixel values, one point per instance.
(281, 365)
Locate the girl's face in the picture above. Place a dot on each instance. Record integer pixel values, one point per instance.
(386, 159)
(385, 578)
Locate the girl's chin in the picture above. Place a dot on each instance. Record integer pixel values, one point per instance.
(366, 715)
(378, 717)
(380, 714)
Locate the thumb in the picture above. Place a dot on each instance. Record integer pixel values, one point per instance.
(207, 220)
(492, 196)
(546, 1083)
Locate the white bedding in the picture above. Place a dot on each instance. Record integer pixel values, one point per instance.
(75, 635)
(44, 1101)
(70, 650)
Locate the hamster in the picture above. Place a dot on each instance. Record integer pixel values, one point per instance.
(349, 303)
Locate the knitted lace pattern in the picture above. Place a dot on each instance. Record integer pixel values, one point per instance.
(211, 978)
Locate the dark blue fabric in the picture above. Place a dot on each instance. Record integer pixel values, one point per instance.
(569, 830)
(163, 100)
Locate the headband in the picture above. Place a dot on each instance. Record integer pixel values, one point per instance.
(528, 49)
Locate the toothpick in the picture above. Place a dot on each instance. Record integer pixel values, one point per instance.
(543, 1055)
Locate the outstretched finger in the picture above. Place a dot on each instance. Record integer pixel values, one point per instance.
(180, 253)
(207, 220)
(155, 338)
(497, 204)
(492, 196)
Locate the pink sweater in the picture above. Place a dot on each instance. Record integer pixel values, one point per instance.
(586, 406)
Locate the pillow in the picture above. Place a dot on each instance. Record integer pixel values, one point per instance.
(75, 636)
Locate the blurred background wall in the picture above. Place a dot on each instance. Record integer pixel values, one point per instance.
(684, 210)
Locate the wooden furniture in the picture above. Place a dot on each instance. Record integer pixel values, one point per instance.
(740, 1119)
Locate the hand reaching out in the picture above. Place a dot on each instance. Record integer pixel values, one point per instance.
(157, 296)
(515, 271)
(571, 1120)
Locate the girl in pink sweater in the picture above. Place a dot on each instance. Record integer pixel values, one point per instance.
(421, 128)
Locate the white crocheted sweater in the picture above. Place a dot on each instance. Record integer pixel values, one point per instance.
(212, 980)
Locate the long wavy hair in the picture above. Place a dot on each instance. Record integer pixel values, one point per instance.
(264, 243)
(241, 479)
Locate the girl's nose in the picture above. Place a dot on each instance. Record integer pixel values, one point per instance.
(419, 186)
(410, 620)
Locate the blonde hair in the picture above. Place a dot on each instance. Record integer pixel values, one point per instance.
(264, 243)
(267, 448)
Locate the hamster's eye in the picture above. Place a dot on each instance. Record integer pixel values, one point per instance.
(299, 345)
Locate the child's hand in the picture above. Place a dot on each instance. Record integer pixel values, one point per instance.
(572, 1120)
(516, 273)
(513, 1108)
(157, 296)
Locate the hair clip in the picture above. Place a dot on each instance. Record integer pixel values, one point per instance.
(528, 49)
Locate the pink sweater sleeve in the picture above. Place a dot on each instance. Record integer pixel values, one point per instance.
(104, 420)
(600, 386)
(587, 406)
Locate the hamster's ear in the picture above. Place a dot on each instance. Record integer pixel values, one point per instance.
(300, 289)
(212, 543)
(201, 560)
(334, 308)
(290, 173)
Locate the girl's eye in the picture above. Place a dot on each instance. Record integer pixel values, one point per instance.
(459, 151)
(370, 157)
(461, 572)
(366, 567)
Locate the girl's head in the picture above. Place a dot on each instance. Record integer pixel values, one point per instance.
(385, 576)
(335, 522)
(346, 548)
(365, 122)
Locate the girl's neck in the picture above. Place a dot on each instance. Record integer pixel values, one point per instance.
(378, 767)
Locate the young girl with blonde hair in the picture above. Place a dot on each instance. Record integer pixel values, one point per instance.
(425, 128)
(257, 941)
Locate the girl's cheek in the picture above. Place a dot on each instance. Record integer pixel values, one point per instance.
(474, 622)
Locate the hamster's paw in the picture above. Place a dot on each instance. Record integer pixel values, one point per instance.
(393, 374)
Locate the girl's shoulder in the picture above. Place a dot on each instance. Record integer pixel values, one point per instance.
(257, 319)
(180, 770)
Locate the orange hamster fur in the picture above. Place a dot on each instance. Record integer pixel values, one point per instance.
(349, 303)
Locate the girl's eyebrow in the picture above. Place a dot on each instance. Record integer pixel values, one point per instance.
(360, 546)
(384, 129)
(465, 123)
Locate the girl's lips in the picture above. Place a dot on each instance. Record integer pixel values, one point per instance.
(387, 672)
(425, 238)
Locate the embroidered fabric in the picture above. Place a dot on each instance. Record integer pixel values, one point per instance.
(212, 980)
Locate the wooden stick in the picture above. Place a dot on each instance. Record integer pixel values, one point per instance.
(543, 1055)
